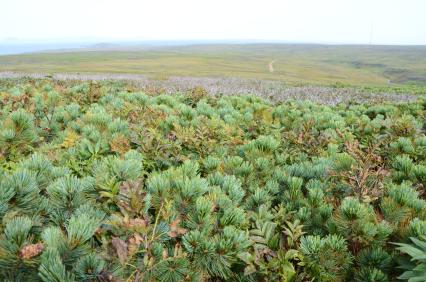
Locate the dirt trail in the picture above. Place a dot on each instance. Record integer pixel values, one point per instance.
(271, 66)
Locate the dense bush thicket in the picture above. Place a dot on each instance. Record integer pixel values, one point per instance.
(99, 183)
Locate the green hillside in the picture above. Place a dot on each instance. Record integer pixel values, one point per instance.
(321, 64)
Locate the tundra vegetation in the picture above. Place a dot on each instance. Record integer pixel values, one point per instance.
(293, 63)
(100, 182)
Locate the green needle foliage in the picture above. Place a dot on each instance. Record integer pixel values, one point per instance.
(102, 182)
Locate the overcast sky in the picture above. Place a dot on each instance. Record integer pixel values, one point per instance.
(322, 21)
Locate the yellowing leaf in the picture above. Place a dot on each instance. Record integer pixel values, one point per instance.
(70, 140)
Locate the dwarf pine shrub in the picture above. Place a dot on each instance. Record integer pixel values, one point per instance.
(102, 183)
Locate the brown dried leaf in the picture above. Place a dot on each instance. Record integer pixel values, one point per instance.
(137, 223)
(134, 242)
(30, 251)
(136, 239)
(121, 249)
(175, 230)
(120, 144)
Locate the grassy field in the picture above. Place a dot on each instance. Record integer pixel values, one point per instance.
(319, 64)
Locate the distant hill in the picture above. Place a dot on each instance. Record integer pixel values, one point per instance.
(310, 63)
(13, 47)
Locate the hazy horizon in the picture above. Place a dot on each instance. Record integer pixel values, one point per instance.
(20, 46)
(377, 22)
(33, 26)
